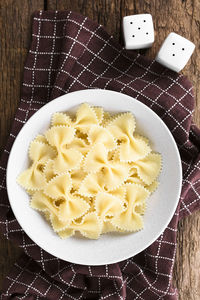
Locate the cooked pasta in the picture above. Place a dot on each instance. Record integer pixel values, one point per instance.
(91, 173)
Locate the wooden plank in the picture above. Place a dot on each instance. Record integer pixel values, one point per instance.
(105, 12)
(187, 266)
(15, 20)
(182, 17)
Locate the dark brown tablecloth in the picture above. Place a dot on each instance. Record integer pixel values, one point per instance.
(69, 52)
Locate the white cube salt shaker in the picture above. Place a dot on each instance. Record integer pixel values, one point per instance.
(138, 31)
(175, 52)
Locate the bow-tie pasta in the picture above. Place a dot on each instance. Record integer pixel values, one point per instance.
(91, 173)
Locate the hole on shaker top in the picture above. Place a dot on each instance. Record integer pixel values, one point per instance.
(131, 22)
(173, 54)
(133, 35)
(139, 28)
(183, 48)
(147, 33)
(144, 21)
(173, 43)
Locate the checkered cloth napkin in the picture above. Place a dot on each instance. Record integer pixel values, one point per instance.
(69, 52)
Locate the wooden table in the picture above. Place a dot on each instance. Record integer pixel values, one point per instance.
(181, 16)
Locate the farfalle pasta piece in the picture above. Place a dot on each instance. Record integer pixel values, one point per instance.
(66, 233)
(152, 187)
(58, 186)
(80, 145)
(148, 168)
(108, 227)
(107, 205)
(120, 192)
(90, 227)
(96, 158)
(40, 138)
(60, 118)
(141, 137)
(113, 173)
(30, 192)
(48, 170)
(33, 178)
(85, 118)
(95, 183)
(70, 207)
(99, 113)
(46, 215)
(82, 136)
(106, 118)
(77, 178)
(99, 134)
(45, 204)
(140, 208)
(42, 202)
(59, 136)
(131, 148)
(112, 154)
(41, 152)
(66, 159)
(122, 124)
(130, 219)
(135, 179)
(91, 185)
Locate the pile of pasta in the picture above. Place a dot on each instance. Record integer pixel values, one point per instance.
(91, 173)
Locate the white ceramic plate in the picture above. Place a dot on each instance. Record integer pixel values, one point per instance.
(109, 248)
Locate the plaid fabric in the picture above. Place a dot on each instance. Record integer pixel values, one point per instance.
(69, 52)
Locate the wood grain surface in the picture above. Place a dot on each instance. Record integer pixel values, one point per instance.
(15, 30)
(181, 16)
